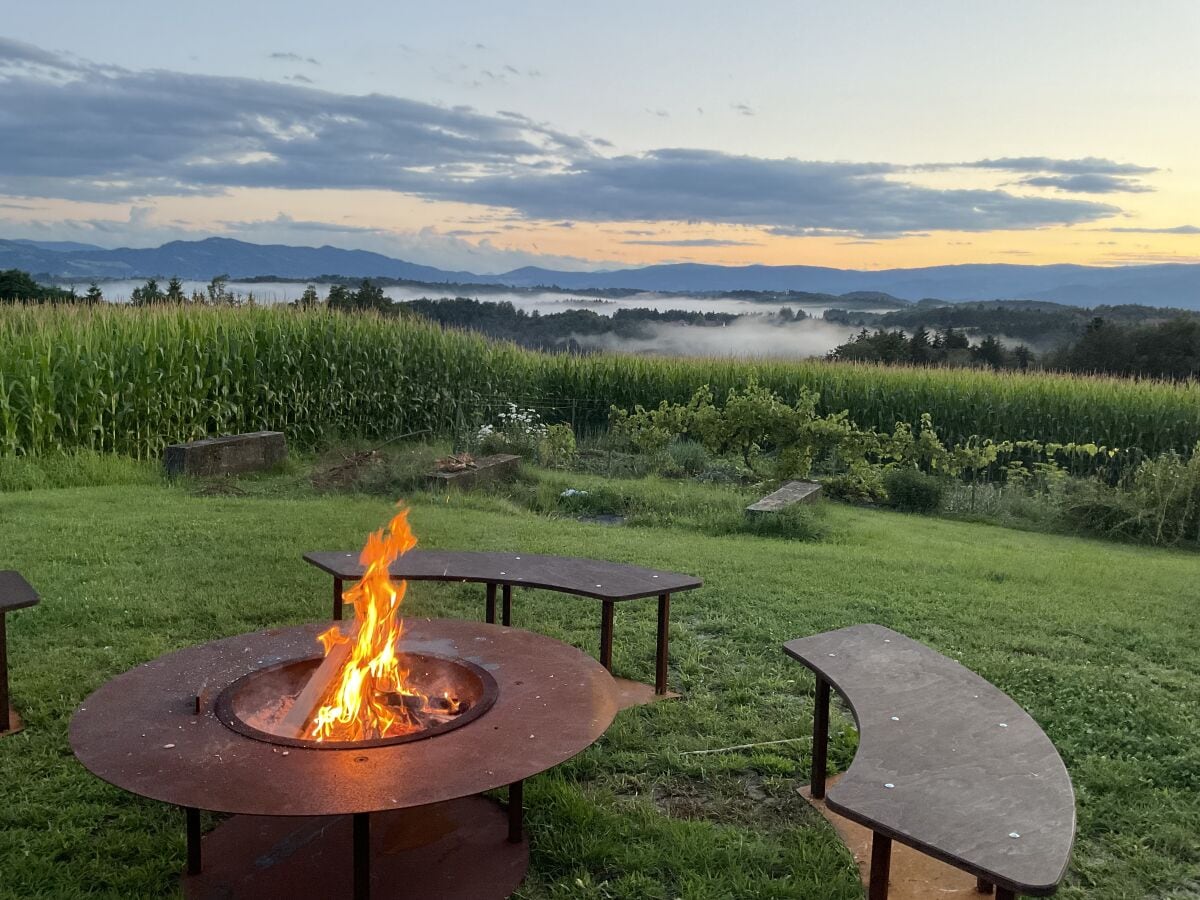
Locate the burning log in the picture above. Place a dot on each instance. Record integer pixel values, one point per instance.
(322, 681)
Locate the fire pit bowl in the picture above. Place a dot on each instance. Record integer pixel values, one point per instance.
(175, 730)
(257, 704)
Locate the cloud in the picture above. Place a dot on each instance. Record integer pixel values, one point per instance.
(298, 78)
(788, 196)
(293, 57)
(159, 132)
(138, 134)
(744, 109)
(1088, 165)
(283, 220)
(1092, 183)
(1177, 229)
(660, 113)
(694, 242)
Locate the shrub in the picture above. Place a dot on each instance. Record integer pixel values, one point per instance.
(556, 450)
(913, 491)
(862, 483)
(686, 458)
(518, 431)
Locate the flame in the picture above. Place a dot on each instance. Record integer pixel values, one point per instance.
(358, 707)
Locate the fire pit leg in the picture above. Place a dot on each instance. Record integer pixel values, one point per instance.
(362, 856)
(516, 811)
(337, 598)
(660, 657)
(192, 818)
(606, 634)
(490, 616)
(507, 616)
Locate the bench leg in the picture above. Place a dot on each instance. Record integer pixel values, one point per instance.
(507, 595)
(362, 856)
(660, 656)
(490, 612)
(1005, 894)
(516, 811)
(820, 740)
(337, 599)
(983, 886)
(881, 867)
(606, 634)
(191, 817)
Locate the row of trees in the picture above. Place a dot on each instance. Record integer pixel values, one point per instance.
(1165, 349)
(939, 348)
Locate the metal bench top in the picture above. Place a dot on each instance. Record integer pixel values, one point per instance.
(585, 577)
(946, 763)
(15, 592)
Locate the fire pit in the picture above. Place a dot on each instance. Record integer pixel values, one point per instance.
(260, 725)
(450, 693)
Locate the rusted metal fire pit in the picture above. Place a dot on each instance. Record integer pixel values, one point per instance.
(192, 728)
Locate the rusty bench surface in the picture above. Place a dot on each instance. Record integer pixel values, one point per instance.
(594, 578)
(598, 579)
(946, 763)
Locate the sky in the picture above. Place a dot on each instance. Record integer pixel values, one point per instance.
(488, 136)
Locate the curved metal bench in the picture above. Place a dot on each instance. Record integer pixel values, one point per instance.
(947, 763)
(607, 582)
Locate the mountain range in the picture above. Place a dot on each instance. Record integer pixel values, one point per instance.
(1167, 284)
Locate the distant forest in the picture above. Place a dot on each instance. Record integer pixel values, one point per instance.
(1128, 340)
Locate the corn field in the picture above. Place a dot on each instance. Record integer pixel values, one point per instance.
(131, 381)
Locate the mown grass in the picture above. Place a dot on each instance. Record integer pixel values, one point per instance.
(1099, 642)
(131, 380)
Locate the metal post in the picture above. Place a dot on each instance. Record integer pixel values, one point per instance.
(881, 865)
(516, 811)
(983, 886)
(5, 724)
(660, 656)
(490, 612)
(820, 741)
(362, 856)
(191, 816)
(337, 598)
(507, 594)
(606, 634)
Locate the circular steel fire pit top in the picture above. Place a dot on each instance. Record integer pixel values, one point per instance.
(250, 705)
(141, 731)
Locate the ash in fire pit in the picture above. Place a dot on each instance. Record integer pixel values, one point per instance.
(441, 694)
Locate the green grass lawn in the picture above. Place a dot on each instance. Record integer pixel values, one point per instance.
(1098, 641)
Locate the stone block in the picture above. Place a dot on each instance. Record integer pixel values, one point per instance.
(231, 455)
(791, 493)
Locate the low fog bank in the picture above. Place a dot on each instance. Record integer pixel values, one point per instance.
(273, 292)
(744, 337)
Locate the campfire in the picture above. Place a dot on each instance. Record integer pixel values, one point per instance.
(364, 690)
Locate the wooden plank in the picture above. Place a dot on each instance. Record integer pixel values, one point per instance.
(320, 684)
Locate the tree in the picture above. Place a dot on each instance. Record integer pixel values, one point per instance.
(217, 294)
(94, 294)
(19, 287)
(1023, 357)
(148, 294)
(919, 348)
(370, 296)
(309, 299)
(339, 298)
(175, 291)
